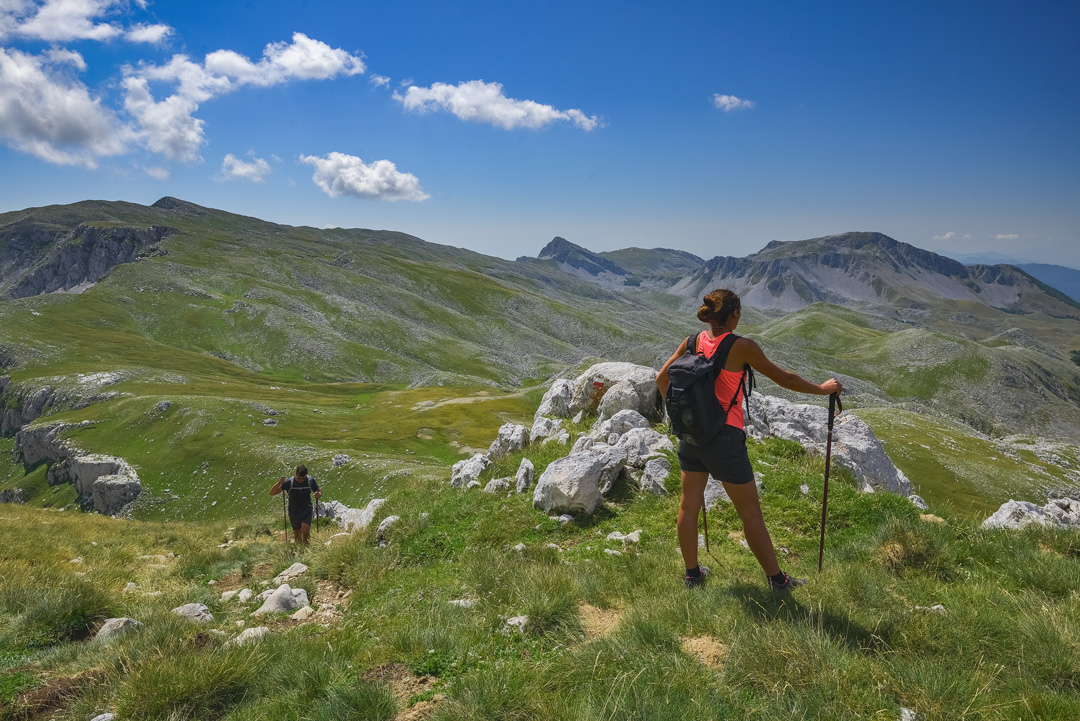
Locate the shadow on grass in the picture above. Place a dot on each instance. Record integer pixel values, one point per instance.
(765, 606)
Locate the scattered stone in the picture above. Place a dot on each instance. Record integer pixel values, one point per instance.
(936, 608)
(579, 417)
(553, 546)
(804, 489)
(303, 614)
(249, 636)
(519, 547)
(565, 518)
(336, 536)
(633, 537)
(463, 602)
(497, 485)
(341, 459)
(104, 717)
(244, 595)
(469, 470)
(512, 437)
(282, 600)
(131, 587)
(612, 552)
(525, 475)
(517, 623)
(197, 612)
(701, 540)
(382, 534)
(472, 484)
(907, 714)
(227, 596)
(162, 406)
(918, 502)
(1058, 512)
(267, 422)
(294, 571)
(77, 559)
(116, 627)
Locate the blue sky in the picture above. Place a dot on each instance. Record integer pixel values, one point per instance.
(712, 127)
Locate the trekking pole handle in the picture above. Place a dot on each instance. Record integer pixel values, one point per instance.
(835, 407)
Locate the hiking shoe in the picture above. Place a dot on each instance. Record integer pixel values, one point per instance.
(699, 580)
(788, 584)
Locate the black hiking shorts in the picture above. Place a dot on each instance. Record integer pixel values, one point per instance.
(300, 516)
(725, 458)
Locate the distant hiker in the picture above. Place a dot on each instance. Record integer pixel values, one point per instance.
(300, 488)
(724, 455)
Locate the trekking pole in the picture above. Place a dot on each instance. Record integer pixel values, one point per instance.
(285, 515)
(834, 404)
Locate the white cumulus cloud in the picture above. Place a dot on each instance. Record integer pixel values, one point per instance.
(379, 81)
(945, 236)
(45, 113)
(728, 103)
(1009, 236)
(486, 103)
(232, 168)
(169, 126)
(152, 34)
(61, 56)
(340, 174)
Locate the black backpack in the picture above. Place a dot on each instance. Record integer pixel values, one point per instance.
(696, 414)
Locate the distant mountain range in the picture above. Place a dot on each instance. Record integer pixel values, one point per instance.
(1064, 278)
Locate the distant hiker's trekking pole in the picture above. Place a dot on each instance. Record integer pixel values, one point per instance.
(285, 514)
(835, 406)
(316, 516)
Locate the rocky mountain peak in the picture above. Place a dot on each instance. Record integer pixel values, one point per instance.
(171, 203)
(577, 260)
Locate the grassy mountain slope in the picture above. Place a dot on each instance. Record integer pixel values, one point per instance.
(607, 637)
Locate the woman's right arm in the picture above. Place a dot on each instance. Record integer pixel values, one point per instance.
(750, 352)
(662, 376)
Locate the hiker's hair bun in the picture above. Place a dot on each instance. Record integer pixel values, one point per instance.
(717, 306)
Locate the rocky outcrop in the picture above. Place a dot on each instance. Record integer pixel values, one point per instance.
(854, 446)
(75, 259)
(465, 472)
(110, 483)
(512, 437)
(634, 388)
(1058, 512)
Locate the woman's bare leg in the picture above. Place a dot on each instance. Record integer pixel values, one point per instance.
(745, 498)
(693, 498)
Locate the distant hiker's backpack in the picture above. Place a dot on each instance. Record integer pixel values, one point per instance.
(695, 412)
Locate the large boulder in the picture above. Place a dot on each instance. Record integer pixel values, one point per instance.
(636, 390)
(1058, 512)
(655, 474)
(570, 485)
(854, 446)
(465, 472)
(512, 437)
(112, 493)
(619, 423)
(556, 402)
(614, 460)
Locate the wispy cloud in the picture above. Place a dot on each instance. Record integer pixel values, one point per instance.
(157, 172)
(945, 236)
(232, 168)
(1006, 236)
(729, 103)
(46, 113)
(151, 34)
(340, 174)
(69, 20)
(379, 81)
(169, 126)
(483, 102)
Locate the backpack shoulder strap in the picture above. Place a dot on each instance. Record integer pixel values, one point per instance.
(691, 344)
(720, 356)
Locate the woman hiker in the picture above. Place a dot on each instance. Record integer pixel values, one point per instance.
(299, 488)
(725, 457)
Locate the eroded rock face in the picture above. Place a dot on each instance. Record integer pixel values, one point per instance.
(544, 427)
(655, 473)
(1058, 512)
(112, 493)
(854, 446)
(556, 402)
(20, 406)
(570, 485)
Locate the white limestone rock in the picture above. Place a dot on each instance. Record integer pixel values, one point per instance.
(655, 474)
(114, 627)
(249, 636)
(354, 519)
(854, 444)
(512, 437)
(294, 571)
(283, 599)
(1058, 512)
(591, 386)
(570, 485)
(544, 428)
(245, 595)
(620, 423)
(196, 612)
(497, 485)
(614, 460)
(382, 533)
(469, 470)
(556, 401)
(525, 475)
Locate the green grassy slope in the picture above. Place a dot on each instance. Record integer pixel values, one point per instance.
(607, 637)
